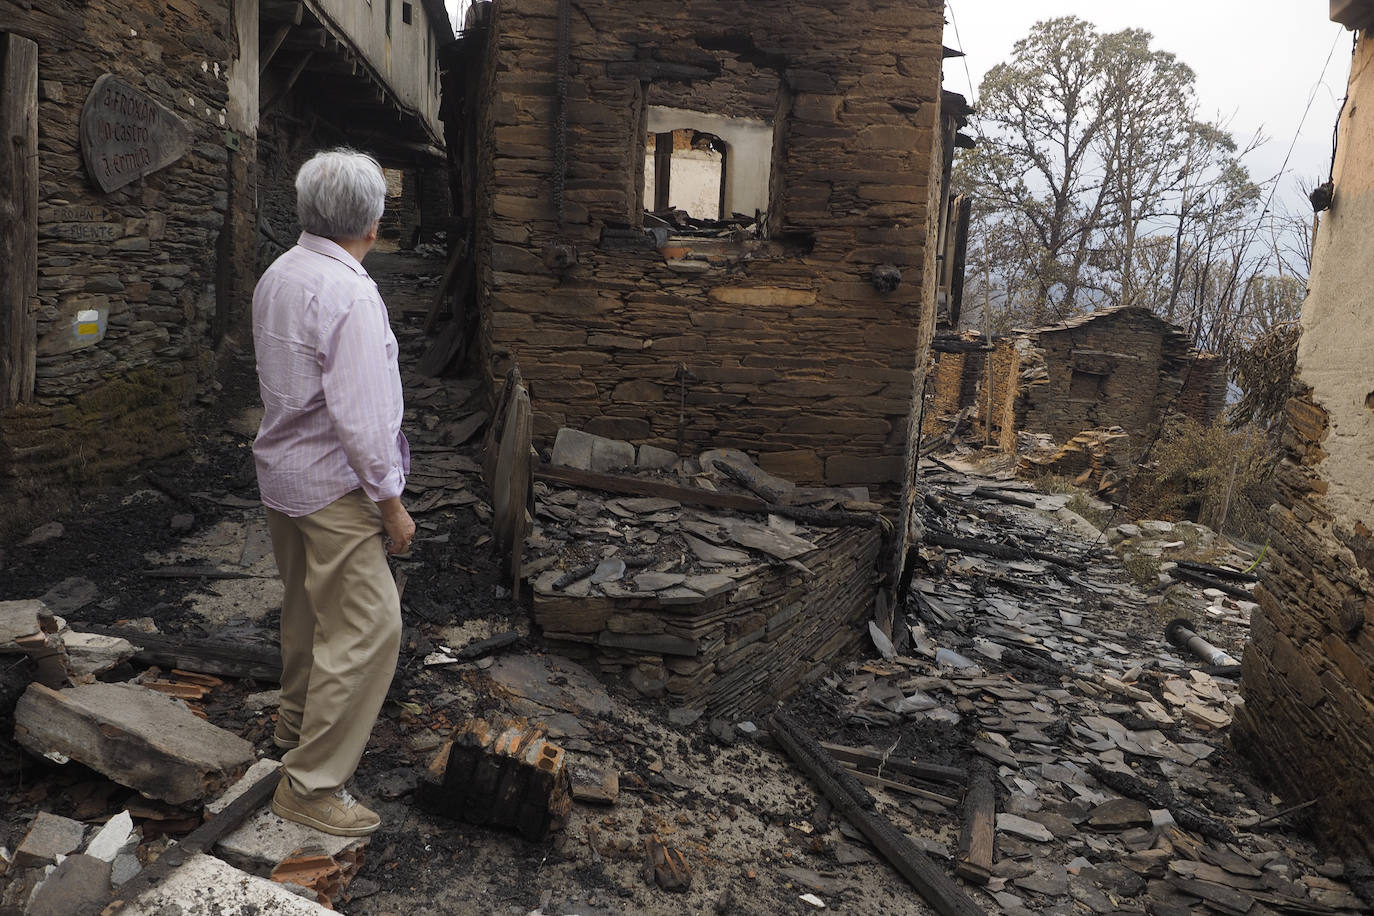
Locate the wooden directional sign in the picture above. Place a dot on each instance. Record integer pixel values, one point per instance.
(126, 133)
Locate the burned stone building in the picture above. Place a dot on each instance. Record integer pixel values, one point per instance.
(713, 226)
(147, 165)
(1306, 676)
(790, 316)
(1121, 366)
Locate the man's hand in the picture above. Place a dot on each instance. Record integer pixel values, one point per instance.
(398, 525)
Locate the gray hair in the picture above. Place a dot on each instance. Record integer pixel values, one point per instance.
(340, 194)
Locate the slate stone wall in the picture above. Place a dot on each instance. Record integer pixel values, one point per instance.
(1308, 722)
(146, 251)
(1115, 367)
(780, 346)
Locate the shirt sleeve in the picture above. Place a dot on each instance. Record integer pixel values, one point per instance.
(362, 393)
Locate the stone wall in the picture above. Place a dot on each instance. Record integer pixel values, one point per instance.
(779, 345)
(137, 255)
(1204, 388)
(1306, 677)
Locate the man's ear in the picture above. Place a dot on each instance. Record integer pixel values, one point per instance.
(372, 233)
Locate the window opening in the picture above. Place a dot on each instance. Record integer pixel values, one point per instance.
(406, 13)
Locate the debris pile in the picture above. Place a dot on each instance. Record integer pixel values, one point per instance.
(710, 596)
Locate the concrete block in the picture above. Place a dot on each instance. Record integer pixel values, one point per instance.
(137, 737)
(584, 451)
(263, 841)
(49, 836)
(91, 653)
(205, 886)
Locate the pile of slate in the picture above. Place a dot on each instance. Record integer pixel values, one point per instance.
(1114, 791)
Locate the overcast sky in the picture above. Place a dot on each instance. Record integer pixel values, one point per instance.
(1257, 63)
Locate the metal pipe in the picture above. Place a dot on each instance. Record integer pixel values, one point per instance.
(1180, 633)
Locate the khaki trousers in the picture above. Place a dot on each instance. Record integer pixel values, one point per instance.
(340, 635)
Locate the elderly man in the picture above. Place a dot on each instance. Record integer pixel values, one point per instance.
(331, 464)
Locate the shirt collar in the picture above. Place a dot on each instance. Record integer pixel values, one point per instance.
(331, 249)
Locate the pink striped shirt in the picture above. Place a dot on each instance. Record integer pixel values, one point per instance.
(330, 383)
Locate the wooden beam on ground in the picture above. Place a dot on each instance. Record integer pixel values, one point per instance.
(205, 656)
(919, 770)
(18, 218)
(977, 838)
(879, 782)
(199, 840)
(1206, 581)
(929, 880)
(1000, 551)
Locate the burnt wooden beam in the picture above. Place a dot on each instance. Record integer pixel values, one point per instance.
(1200, 578)
(977, 839)
(289, 82)
(919, 769)
(1000, 551)
(202, 655)
(1003, 496)
(273, 45)
(934, 886)
(197, 841)
(18, 217)
(291, 12)
(1219, 572)
(663, 169)
(307, 40)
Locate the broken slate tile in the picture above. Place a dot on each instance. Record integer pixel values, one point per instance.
(710, 585)
(710, 553)
(656, 581)
(204, 886)
(1023, 827)
(1049, 879)
(594, 785)
(49, 836)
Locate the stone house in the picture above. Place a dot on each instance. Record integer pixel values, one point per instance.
(1306, 674)
(146, 176)
(796, 327)
(1121, 366)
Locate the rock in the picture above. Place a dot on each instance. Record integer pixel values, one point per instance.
(91, 653)
(594, 785)
(80, 886)
(112, 838)
(1048, 878)
(205, 886)
(723, 731)
(1023, 827)
(647, 684)
(576, 449)
(1156, 527)
(49, 836)
(124, 867)
(1119, 814)
(42, 534)
(257, 702)
(138, 737)
(70, 595)
(650, 456)
(684, 716)
(183, 521)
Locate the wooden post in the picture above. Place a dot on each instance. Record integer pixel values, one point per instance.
(663, 170)
(18, 216)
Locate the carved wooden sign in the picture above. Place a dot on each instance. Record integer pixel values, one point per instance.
(126, 133)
